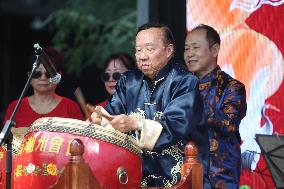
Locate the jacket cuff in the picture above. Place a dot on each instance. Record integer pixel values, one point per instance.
(150, 133)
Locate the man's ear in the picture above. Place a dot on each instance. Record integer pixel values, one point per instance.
(215, 49)
(170, 50)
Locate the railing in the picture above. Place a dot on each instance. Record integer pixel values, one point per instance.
(191, 171)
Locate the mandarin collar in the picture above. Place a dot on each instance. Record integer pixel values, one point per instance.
(162, 73)
(211, 76)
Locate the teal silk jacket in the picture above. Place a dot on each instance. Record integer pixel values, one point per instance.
(174, 101)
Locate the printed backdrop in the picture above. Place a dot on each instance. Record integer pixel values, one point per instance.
(252, 48)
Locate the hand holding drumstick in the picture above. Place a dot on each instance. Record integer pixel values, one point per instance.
(122, 122)
(88, 109)
(100, 116)
(98, 113)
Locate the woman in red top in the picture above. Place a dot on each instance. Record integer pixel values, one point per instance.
(44, 102)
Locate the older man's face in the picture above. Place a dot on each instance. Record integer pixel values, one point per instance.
(152, 54)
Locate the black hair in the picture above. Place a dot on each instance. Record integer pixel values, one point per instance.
(212, 35)
(55, 56)
(168, 35)
(125, 59)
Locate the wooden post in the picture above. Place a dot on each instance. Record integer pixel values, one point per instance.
(191, 170)
(77, 174)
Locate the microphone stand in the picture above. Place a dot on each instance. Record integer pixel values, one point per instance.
(6, 135)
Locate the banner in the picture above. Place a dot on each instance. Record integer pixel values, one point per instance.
(252, 48)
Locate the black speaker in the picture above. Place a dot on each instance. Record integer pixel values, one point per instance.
(272, 148)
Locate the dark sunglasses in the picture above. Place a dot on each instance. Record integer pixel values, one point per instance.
(38, 74)
(106, 76)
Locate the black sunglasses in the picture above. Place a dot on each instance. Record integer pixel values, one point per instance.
(38, 74)
(106, 76)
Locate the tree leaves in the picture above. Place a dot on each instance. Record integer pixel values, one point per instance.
(88, 33)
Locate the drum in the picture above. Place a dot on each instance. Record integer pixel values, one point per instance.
(45, 151)
(18, 136)
(2, 167)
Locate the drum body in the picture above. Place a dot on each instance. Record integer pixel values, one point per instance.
(18, 135)
(2, 167)
(45, 151)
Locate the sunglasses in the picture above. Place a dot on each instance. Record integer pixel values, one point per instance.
(38, 74)
(106, 76)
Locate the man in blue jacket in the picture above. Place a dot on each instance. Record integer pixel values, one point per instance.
(161, 106)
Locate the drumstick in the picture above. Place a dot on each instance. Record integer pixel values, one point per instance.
(101, 114)
(82, 102)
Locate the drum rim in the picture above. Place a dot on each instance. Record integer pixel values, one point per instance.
(17, 140)
(83, 128)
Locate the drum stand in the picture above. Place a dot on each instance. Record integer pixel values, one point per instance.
(6, 135)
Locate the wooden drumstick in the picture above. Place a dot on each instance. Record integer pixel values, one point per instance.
(82, 102)
(102, 114)
(99, 112)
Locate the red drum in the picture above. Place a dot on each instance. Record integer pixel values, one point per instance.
(18, 135)
(45, 151)
(2, 167)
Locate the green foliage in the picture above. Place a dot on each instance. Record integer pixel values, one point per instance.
(87, 31)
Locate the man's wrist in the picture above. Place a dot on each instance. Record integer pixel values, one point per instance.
(139, 124)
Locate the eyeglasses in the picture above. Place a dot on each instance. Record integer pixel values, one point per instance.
(38, 74)
(106, 76)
